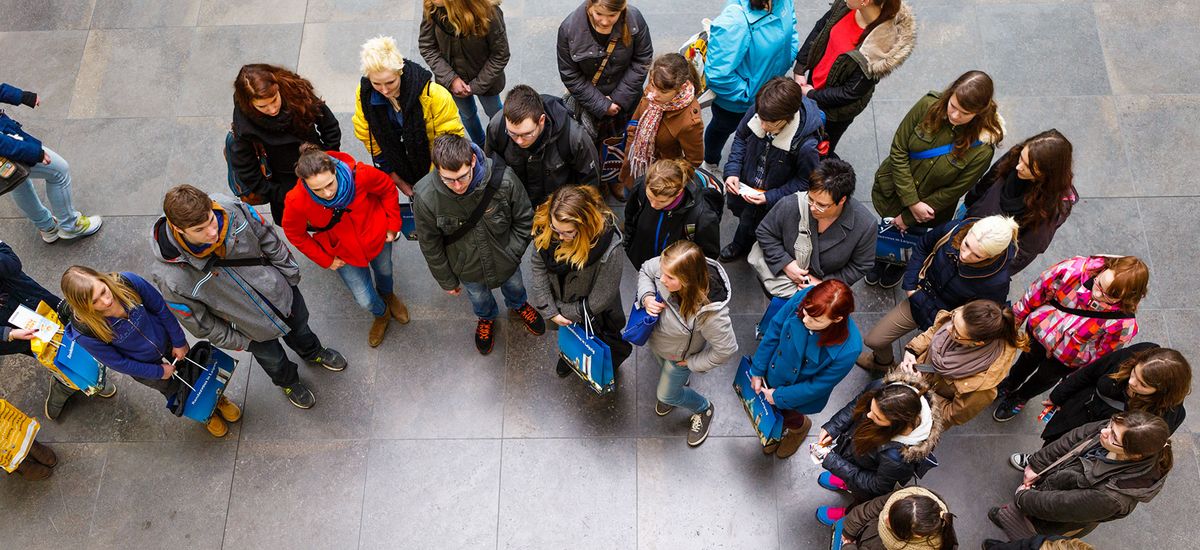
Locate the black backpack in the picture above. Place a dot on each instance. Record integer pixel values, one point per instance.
(710, 192)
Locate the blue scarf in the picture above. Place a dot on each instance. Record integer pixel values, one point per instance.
(345, 190)
(480, 167)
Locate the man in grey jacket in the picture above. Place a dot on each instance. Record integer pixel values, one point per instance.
(230, 279)
(473, 223)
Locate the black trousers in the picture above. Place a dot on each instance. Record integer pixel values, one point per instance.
(1033, 373)
(834, 129)
(749, 216)
(300, 338)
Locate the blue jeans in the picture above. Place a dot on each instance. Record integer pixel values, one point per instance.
(672, 391)
(57, 176)
(470, 116)
(368, 293)
(722, 125)
(484, 303)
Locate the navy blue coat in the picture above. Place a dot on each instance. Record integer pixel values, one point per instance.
(949, 283)
(17, 288)
(789, 165)
(802, 372)
(16, 143)
(141, 341)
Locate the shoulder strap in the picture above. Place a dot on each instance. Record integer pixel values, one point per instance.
(802, 197)
(241, 262)
(937, 151)
(493, 185)
(1093, 314)
(929, 256)
(337, 212)
(612, 45)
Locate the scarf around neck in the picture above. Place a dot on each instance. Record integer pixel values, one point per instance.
(345, 188)
(642, 153)
(204, 250)
(1012, 194)
(954, 360)
(594, 254)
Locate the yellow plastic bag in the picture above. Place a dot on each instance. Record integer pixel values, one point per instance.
(17, 432)
(45, 351)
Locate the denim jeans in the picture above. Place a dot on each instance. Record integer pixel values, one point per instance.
(57, 176)
(369, 294)
(271, 355)
(470, 115)
(672, 391)
(722, 125)
(484, 303)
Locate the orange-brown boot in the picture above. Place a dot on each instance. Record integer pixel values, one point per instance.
(228, 410)
(379, 329)
(397, 307)
(216, 426)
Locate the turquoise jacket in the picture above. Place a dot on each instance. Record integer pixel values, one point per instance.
(802, 372)
(746, 48)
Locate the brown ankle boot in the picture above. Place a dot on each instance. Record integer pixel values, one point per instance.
(33, 470)
(397, 307)
(378, 329)
(43, 454)
(792, 439)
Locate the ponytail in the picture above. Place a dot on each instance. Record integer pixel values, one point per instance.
(949, 537)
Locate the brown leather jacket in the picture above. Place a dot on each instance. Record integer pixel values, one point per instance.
(680, 136)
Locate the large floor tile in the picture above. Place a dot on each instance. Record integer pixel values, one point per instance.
(124, 14)
(1127, 28)
(65, 503)
(52, 78)
(1183, 325)
(431, 494)
(1155, 130)
(329, 55)
(287, 494)
(89, 146)
(243, 12)
(163, 495)
(1016, 39)
(338, 11)
(221, 51)
(123, 70)
(23, 15)
(948, 44)
(1172, 261)
(580, 493)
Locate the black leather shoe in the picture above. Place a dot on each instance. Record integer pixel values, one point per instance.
(732, 253)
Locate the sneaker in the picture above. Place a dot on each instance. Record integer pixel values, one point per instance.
(891, 276)
(85, 226)
(216, 426)
(662, 409)
(1020, 461)
(829, 515)
(228, 410)
(562, 369)
(832, 482)
(49, 236)
(532, 319)
(732, 253)
(300, 395)
(701, 422)
(56, 398)
(1007, 409)
(484, 333)
(872, 276)
(330, 359)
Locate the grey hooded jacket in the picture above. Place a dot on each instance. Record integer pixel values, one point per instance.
(229, 306)
(599, 283)
(675, 338)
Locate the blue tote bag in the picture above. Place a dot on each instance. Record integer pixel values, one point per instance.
(767, 420)
(640, 325)
(589, 357)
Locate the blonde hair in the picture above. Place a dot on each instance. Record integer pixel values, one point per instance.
(582, 208)
(77, 284)
(466, 17)
(686, 262)
(381, 54)
(668, 177)
(994, 234)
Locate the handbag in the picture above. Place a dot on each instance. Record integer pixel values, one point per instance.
(12, 174)
(209, 371)
(577, 112)
(408, 222)
(766, 419)
(640, 325)
(589, 357)
(780, 285)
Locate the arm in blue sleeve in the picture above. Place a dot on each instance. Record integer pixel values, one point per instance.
(921, 250)
(157, 306)
(737, 151)
(113, 359)
(792, 397)
(728, 43)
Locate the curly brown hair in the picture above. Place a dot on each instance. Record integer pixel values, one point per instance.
(262, 81)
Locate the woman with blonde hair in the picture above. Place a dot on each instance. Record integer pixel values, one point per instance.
(465, 43)
(577, 261)
(392, 95)
(669, 204)
(123, 321)
(690, 295)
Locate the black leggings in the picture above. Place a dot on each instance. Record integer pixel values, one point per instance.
(1033, 373)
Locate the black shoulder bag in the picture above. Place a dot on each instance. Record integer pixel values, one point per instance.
(493, 185)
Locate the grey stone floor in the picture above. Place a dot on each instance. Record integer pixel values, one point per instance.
(422, 443)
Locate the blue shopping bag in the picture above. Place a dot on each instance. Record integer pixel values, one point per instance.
(767, 420)
(589, 357)
(209, 386)
(772, 308)
(640, 325)
(79, 366)
(408, 223)
(894, 246)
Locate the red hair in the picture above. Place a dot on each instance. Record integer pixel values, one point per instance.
(832, 298)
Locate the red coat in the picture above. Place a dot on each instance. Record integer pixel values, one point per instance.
(361, 234)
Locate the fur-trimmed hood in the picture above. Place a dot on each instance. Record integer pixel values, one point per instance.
(888, 45)
(922, 450)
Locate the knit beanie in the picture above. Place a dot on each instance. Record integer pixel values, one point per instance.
(994, 234)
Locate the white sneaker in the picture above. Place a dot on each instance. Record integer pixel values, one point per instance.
(84, 227)
(49, 236)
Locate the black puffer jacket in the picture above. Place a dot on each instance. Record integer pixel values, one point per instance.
(282, 145)
(694, 219)
(18, 289)
(579, 55)
(879, 472)
(949, 283)
(562, 155)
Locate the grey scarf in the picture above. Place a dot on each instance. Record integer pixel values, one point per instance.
(954, 360)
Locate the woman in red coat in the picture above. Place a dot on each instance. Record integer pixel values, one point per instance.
(344, 215)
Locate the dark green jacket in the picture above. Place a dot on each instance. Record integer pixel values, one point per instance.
(901, 182)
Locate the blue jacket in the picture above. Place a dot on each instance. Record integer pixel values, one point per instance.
(15, 143)
(17, 288)
(130, 353)
(802, 372)
(949, 283)
(790, 157)
(746, 48)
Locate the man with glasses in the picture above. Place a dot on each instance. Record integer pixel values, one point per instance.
(543, 146)
(473, 224)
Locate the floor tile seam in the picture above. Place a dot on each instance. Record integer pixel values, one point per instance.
(96, 498)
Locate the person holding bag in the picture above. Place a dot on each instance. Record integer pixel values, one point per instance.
(823, 234)
(577, 261)
(275, 112)
(941, 148)
(124, 322)
(964, 356)
(807, 349)
(667, 123)
(1078, 311)
(690, 295)
(671, 204)
(346, 217)
(465, 43)
(912, 518)
(1096, 473)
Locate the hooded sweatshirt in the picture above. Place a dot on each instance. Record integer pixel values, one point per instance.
(705, 339)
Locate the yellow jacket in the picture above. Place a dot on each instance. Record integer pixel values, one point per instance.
(441, 117)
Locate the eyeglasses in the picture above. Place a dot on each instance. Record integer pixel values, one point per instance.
(570, 233)
(820, 208)
(463, 178)
(1112, 435)
(523, 136)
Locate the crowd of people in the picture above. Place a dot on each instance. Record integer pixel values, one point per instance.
(535, 171)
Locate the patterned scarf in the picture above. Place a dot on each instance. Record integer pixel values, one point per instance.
(642, 153)
(204, 250)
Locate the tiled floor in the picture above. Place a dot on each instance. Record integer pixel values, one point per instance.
(422, 443)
